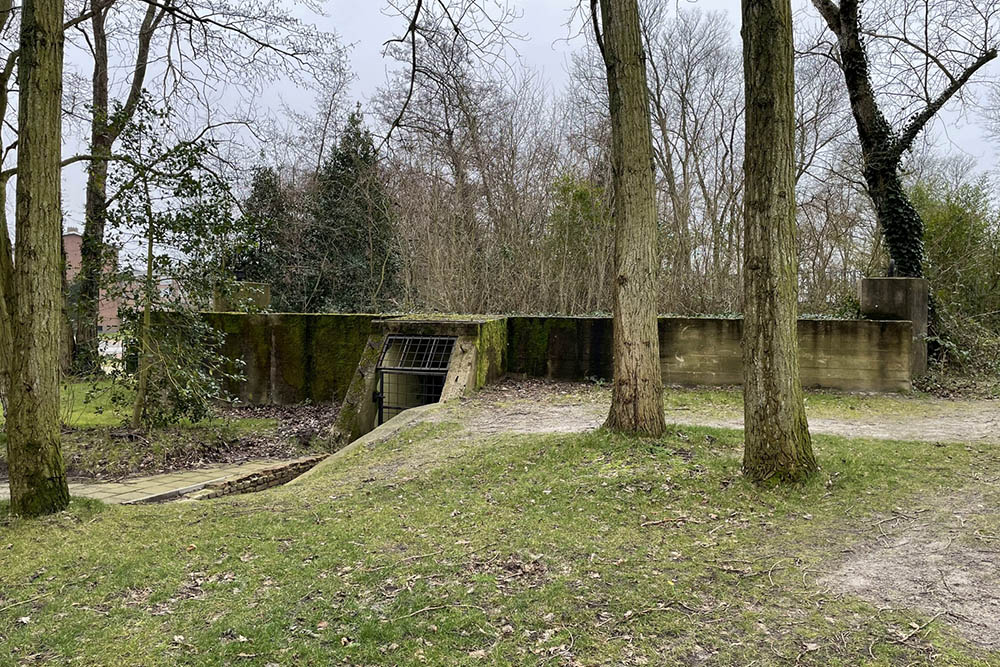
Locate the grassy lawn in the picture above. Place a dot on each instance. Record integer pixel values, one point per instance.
(437, 547)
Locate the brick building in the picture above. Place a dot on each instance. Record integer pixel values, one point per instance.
(72, 244)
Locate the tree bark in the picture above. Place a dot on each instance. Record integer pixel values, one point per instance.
(104, 131)
(777, 444)
(882, 147)
(637, 390)
(37, 476)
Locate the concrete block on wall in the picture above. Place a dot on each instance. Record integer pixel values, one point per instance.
(900, 299)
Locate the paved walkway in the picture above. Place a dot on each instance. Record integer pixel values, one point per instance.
(157, 486)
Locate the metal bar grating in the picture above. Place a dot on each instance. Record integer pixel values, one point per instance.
(411, 372)
(417, 353)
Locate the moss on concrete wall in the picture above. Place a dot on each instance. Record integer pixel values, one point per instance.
(291, 357)
(856, 355)
(560, 347)
(491, 352)
(247, 338)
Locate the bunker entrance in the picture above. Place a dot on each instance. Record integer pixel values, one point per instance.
(411, 372)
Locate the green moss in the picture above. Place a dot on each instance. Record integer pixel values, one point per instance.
(293, 357)
(560, 347)
(491, 352)
(443, 317)
(528, 338)
(337, 342)
(356, 412)
(289, 358)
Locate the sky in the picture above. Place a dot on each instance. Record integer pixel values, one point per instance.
(546, 47)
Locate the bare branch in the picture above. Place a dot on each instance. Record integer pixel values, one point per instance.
(918, 122)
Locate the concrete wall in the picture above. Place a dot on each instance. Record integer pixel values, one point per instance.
(290, 357)
(854, 355)
(900, 299)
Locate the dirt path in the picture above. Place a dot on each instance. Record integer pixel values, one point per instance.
(941, 559)
(537, 407)
(939, 556)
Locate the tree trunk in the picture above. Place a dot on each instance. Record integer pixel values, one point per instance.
(6, 301)
(777, 443)
(145, 344)
(637, 391)
(104, 131)
(37, 476)
(900, 222)
(92, 247)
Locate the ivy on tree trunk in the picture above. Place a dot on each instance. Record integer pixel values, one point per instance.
(882, 146)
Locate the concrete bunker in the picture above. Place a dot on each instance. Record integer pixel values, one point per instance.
(413, 361)
(411, 372)
(294, 357)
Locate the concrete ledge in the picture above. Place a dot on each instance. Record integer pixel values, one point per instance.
(256, 481)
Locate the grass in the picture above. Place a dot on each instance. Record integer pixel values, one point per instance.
(437, 547)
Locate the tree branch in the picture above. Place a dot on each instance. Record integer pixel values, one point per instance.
(918, 122)
(597, 29)
(830, 13)
(411, 33)
(150, 22)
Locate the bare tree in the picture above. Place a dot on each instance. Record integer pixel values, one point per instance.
(37, 474)
(637, 389)
(920, 55)
(777, 443)
(697, 108)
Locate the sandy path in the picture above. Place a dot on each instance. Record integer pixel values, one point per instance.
(558, 410)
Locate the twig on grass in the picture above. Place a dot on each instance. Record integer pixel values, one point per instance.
(404, 560)
(18, 604)
(669, 606)
(903, 640)
(660, 522)
(773, 565)
(436, 607)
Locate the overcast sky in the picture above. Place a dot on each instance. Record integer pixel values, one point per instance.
(365, 25)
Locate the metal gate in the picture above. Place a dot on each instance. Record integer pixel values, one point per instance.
(411, 372)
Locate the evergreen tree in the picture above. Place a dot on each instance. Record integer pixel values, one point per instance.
(351, 210)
